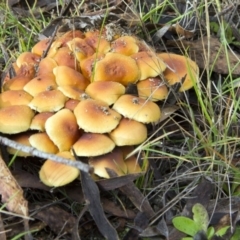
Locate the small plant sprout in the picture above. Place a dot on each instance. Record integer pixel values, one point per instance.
(198, 226)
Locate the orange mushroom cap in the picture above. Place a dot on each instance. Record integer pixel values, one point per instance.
(40, 84)
(54, 174)
(138, 109)
(153, 89)
(107, 92)
(68, 36)
(16, 83)
(97, 41)
(118, 68)
(46, 66)
(38, 121)
(42, 142)
(113, 160)
(70, 77)
(95, 116)
(65, 57)
(73, 93)
(150, 65)
(40, 47)
(125, 45)
(178, 68)
(71, 104)
(88, 64)
(15, 119)
(80, 48)
(14, 97)
(93, 144)
(22, 138)
(129, 132)
(48, 101)
(62, 129)
(29, 58)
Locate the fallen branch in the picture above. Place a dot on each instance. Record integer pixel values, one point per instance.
(34, 152)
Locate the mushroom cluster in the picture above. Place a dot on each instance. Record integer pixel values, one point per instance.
(75, 98)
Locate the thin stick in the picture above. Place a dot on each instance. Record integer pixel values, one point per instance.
(33, 151)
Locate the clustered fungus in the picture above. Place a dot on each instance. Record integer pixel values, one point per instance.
(75, 98)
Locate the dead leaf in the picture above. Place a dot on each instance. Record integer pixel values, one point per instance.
(217, 56)
(12, 193)
(115, 210)
(138, 199)
(29, 180)
(56, 218)
(92, 198)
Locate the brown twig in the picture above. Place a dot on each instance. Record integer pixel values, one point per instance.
(81, 166)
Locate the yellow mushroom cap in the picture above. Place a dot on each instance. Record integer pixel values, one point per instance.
(40, 84)
(107, 92)
(125, 45)
(29, 58)
(93, 144)
(80, 48)
(40, 47)
(133, 161)
(70, 77)
(15, 119)
(16, 83)
(14, 97)
(133, 166)
(73, 92)
(138, 109)
(113, 160)
(150, 65)
(22, 138)
(48, 101)
(118, 68)
(97, 41)
(68, 36)
(71, 104)
(42, 142)
(62, 129)
(95, 116)
(46, 66)
(153, 89)
(179, 67)
(65, 57)
(38, 121)
(129, 132)
(87, 65)
(54, 174)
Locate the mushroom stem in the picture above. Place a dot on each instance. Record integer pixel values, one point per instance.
(34, 152)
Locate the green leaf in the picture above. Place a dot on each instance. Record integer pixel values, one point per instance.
(210, 232)
(200, 216)
(186, 225)
(187, 238)
(222, 231)
(236, 233)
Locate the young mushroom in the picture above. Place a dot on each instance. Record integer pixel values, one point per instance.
(113, 160)
(54, 174)
(150, 65)
(15, 119)
(96, 116)
(93, 144)
(116, 67)
(62, 129)
(180, 69)
(105, 91)
(138, 109)
(129, 132)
